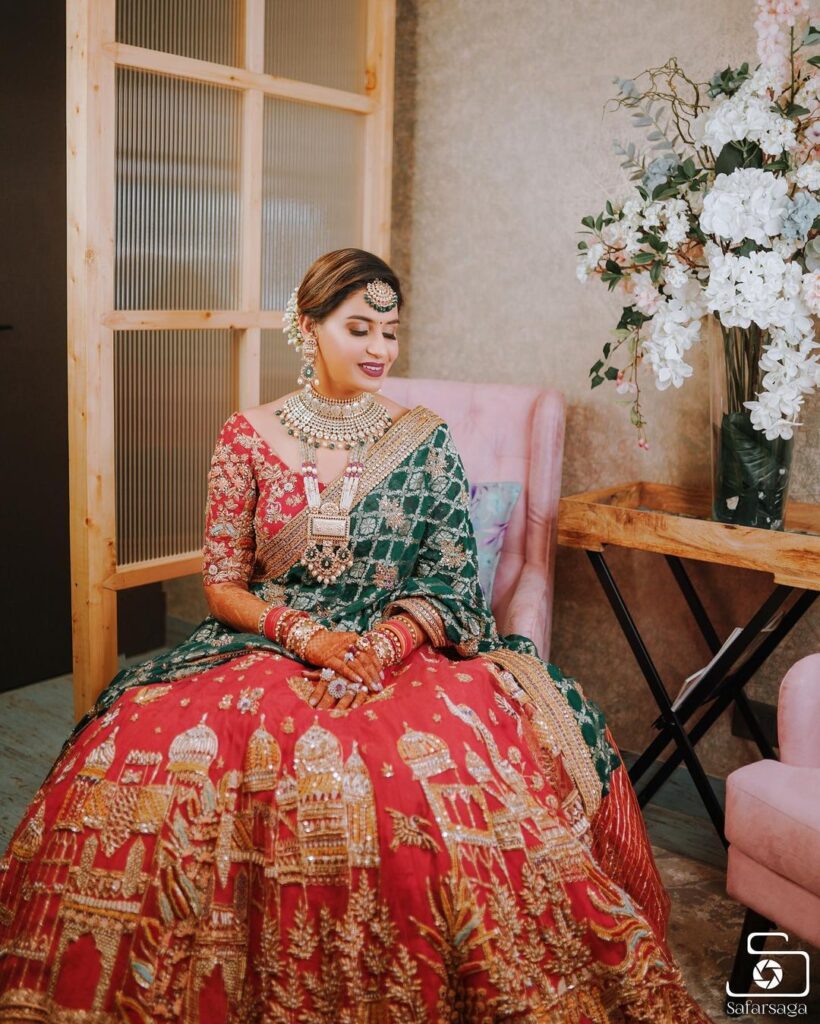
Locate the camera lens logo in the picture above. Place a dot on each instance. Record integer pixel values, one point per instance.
(767, 974)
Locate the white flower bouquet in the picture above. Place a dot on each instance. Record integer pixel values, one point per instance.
(722, 227)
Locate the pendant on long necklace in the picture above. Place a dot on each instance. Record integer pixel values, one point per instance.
(328, 553)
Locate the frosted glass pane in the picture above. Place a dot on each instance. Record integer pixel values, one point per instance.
(320, 41)
(311, 198)
(173, 390)
(205, 29)
(279, 366)
(177, 217)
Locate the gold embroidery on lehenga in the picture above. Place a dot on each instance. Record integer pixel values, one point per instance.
(335, 809)
(561, 726)
(28, 842)
(184, 916)
(408, 831)
(262, 760)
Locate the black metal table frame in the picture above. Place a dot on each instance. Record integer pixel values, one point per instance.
(719, 685)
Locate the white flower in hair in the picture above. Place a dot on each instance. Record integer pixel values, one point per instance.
(290, 322)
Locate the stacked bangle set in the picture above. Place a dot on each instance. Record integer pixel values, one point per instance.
(289, 627)
(392, 639)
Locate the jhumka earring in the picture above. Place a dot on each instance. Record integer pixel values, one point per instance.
(307, 371)
(306, 346)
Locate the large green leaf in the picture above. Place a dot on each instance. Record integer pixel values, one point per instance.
(752, 477)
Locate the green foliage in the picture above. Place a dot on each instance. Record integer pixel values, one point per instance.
(727, 82)
(738, 154)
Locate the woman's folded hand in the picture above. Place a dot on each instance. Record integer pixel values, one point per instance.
(335, 650)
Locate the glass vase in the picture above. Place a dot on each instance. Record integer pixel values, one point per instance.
(750, 474)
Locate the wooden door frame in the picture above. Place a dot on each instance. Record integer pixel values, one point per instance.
(93, 56)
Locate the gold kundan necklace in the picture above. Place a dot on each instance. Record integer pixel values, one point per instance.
(319, 422)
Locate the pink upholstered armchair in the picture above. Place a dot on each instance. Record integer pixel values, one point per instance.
(773, 825)
(506, 432)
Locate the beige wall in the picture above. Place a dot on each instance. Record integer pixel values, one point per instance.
(501, 148)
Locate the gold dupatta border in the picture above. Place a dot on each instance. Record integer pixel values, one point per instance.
(535, 680)
(284, 549)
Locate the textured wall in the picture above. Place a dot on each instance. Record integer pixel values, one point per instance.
(501, 147)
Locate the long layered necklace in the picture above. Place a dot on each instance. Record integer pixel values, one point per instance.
(319, 422)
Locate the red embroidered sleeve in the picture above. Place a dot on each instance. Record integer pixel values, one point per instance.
(230, 541)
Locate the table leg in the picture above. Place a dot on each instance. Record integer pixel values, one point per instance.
(717, 672)
(694, 602)
(710, 636)
(732, 686)
(722, 665)
(647, 666)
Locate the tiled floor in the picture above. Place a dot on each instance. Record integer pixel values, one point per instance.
(705, 923)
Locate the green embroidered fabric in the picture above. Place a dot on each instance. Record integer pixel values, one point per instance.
(411, 535)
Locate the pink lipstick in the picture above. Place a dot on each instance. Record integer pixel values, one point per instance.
(372, 369)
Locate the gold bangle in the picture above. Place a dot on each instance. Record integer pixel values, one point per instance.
(395, 640)
(427, 616)
(260, 628)
(385, 650)
(300, 635)
(284, 624)
(416, 632)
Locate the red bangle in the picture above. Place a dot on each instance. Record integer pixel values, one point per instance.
(271, 619)
(284, 623)
(404, 633)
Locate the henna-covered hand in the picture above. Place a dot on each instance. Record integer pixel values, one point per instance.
(327, 649)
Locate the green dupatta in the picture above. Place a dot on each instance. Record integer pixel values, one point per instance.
(411, 537)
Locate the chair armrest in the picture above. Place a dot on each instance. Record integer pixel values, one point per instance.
(529, 612)
(798, 714)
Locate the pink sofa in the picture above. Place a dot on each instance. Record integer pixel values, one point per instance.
(507, 432)
(773, 824)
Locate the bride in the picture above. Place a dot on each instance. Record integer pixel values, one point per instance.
(345, 797)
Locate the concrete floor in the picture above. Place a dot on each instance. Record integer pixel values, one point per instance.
(705, 922)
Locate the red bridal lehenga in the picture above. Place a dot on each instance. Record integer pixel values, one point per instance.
(464, 847)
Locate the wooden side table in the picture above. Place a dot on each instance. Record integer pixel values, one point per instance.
(675, 523)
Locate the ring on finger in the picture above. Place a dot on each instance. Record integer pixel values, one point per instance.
(337, 688)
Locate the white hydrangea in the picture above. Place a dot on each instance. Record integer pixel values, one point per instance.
(671, 333)
(791, 372)
(621, 234)
(675, 274)
(807, 176)
(671, 216)
(786, 247)
(748, 203)
(811, 292)
(760, 288)
(747, 114)
(587, 260)
(645, 295)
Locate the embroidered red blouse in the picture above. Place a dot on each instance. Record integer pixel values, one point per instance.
(251, 493)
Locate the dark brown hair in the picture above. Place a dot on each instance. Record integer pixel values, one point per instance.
(332, 277)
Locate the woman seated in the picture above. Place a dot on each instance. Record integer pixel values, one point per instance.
(344, 797)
